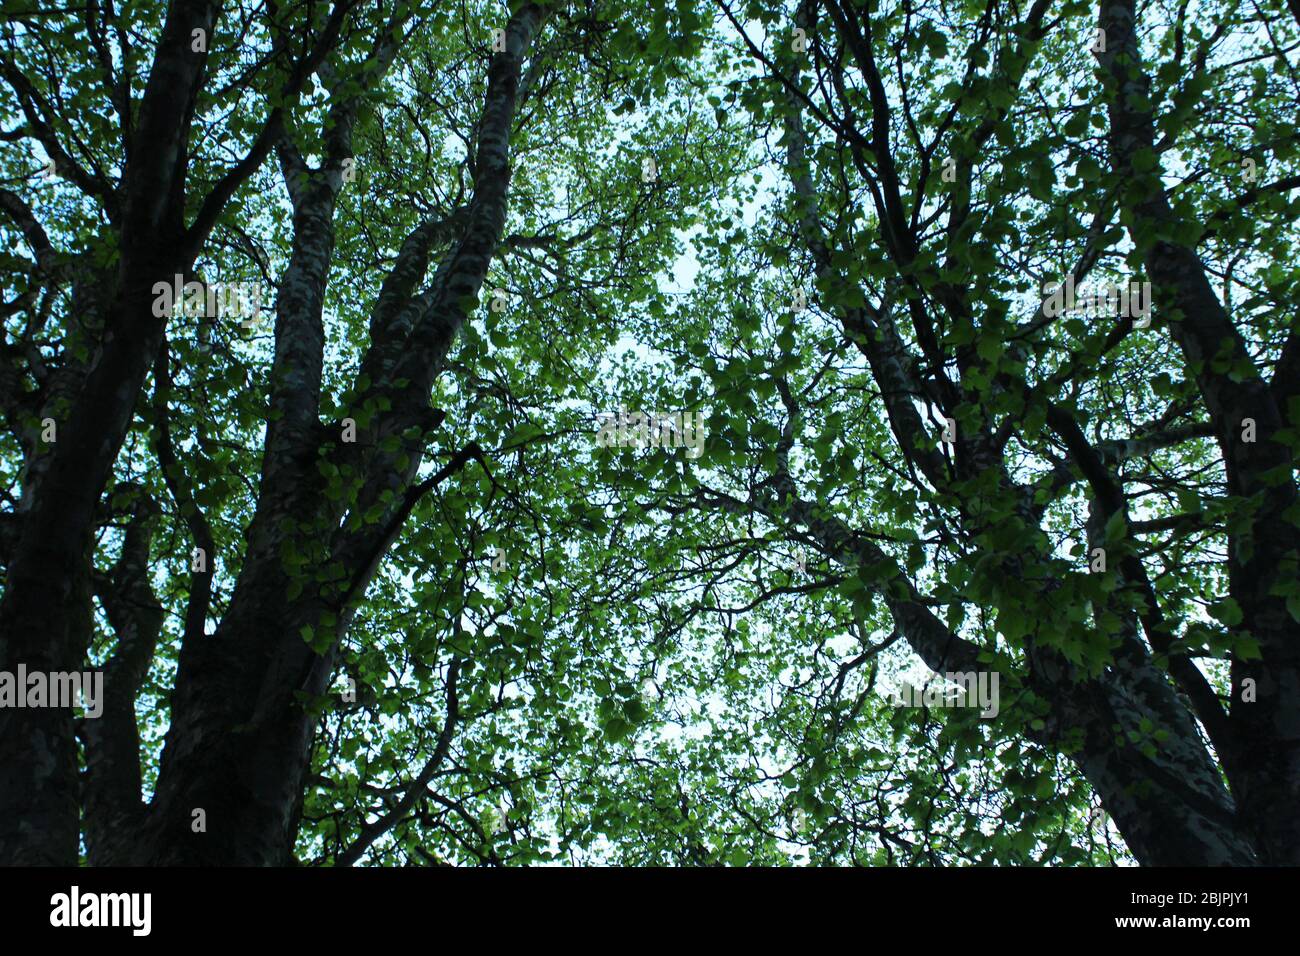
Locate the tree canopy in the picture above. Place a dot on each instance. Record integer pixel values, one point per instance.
(470, 433)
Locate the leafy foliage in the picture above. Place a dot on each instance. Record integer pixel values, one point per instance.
(576, 653)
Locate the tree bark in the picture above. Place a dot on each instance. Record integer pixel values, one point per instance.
(240, 744)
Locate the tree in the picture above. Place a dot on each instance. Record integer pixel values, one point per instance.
(1089, 493)
(280, 563)
(366, 582)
